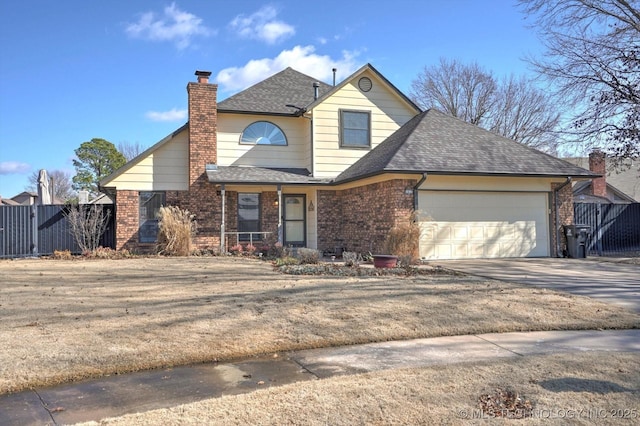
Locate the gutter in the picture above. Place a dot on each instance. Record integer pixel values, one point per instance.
(557, 212)
(415, 191)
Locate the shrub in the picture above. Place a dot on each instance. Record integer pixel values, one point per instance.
(403, 240)
(62, 254)
(236, 249)
(287, 260)
(87, 223)
(108, 253)
(351, 258)
(280, 251)
(250, 249)
(176, 228)
(308, 256)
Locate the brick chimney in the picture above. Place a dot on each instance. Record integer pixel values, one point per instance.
(203, 123)
(597, 165)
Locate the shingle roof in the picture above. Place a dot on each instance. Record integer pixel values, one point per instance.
(261, 175)
(270, 96)
(434, 142)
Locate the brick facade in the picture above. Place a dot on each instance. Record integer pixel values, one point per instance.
(358, 219)
(564, 216)
(597, 165)
(202, 199)
(128, 214)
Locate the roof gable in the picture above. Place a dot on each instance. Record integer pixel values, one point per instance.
(290, 87)
(357, 74)
(106, 181)
(434, 142)
(272, 95)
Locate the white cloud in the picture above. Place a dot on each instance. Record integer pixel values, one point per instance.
(300, 58)
(13, 168)
(172, 115)
(175, 26)
(262, 25)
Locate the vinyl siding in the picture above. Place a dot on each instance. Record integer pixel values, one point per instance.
(165, 169)
(231, 153)
(479, 183)
(388, 113)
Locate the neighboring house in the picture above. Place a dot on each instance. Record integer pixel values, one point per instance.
(332, 167)
(614, 186)
(26, 198)
(8, 202)
(83, 198)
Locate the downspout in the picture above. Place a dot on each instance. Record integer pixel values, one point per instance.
(222, 236)
(557, 212)
(415, 191)
(280, 235)
(316, 87)
(312, 166)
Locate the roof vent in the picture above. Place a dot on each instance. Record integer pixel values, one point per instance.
(365, 84)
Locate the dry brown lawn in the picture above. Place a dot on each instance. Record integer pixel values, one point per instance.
(583, 388)
(67, 320)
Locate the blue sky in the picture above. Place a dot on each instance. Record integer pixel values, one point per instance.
(75, 70)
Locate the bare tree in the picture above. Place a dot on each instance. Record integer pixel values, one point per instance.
(464, 91)
(61, 181)
(525, 114)
(513, 107)
(130, 150)
(87, 223)
(592, 60)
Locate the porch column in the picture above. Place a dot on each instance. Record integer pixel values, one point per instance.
(222, 237)
(280, 235)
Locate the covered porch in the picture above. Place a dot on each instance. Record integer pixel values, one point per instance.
(262, 206)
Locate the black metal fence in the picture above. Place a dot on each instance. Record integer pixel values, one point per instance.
(40, 230)
(615, 228)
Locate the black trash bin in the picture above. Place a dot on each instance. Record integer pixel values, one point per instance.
(577, 240)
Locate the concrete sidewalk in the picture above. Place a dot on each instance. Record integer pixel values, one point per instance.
(138, 392)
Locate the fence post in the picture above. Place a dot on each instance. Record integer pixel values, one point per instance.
(34, 227)
(599, 229)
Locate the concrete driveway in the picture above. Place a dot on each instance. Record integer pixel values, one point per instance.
(608, 281)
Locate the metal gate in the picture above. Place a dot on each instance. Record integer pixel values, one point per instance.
(615, 228)
(40, 230)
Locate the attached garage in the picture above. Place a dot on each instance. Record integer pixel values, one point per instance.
(483, 224)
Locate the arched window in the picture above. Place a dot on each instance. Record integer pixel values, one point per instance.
(263, 133)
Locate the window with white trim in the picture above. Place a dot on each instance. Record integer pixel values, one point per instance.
(263, 133)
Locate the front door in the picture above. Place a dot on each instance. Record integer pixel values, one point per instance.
(295, 229)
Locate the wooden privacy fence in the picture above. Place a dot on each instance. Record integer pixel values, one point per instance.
(40, 230)
(615, 228)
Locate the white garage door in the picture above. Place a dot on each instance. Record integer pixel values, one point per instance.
(459, 225)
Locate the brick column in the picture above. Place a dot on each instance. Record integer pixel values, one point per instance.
(597, 165)
(564, 216)
(202, 198)
(203, 138)
(127, 210)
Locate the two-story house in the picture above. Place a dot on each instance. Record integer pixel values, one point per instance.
(327, 167)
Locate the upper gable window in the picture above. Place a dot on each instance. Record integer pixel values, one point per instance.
(355, 129)
(263, 133)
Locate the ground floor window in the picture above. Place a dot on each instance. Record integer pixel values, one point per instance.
(249, 215)
(150, 203)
